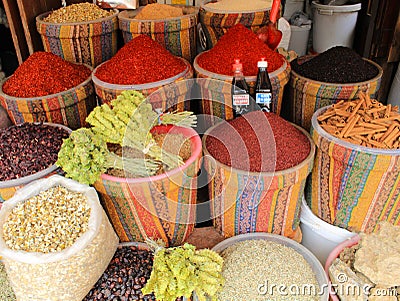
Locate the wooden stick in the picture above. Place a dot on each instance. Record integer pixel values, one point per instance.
(352, 123)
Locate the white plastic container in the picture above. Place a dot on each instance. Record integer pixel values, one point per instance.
(319, 236)
(284, 27)
(333, 25)
(299, 39)
(292, 6)
(394, 94)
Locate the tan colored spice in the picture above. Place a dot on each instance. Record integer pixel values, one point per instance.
(158, 11)
(254, 269)
(48, 222)
(79, 12)
(239, 5)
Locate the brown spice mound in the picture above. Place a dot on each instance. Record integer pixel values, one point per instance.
(258, 142)
(157, 11)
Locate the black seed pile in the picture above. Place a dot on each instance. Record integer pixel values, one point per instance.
(338, 64)
(28, 148)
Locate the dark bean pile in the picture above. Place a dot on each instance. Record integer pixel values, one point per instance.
(28, 148)
(124, 277)
(338, 64)
(246, 143)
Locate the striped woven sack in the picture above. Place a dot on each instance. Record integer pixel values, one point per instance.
(91, 42)
(353, 187)
(69, 108)
(178, 35)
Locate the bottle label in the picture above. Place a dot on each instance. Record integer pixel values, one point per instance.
(241, 100)
(264, 98)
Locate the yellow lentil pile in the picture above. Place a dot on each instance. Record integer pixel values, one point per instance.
(48, 222)
(239, 5)
(79, 12)
(157, 11)
(253, 270)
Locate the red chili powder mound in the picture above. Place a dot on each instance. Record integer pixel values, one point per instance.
(140, 61)
(45, 73)
(239, 42)
(258, 142)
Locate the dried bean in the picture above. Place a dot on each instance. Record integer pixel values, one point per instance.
(28, 148)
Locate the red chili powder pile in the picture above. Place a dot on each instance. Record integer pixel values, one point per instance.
(239, 42)
(140, 61)
(258, 142)
(45, 73)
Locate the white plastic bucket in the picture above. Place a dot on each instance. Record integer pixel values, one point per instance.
(299, 39)
(334, 25)
(394, 94)
(319, 236)
(292, 6)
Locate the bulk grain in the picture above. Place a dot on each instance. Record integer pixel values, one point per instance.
(79, 12)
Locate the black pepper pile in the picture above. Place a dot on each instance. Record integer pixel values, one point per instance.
(338, 64)
(28, 148)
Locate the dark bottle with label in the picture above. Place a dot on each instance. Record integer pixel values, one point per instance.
(240, 91)
(263, 87)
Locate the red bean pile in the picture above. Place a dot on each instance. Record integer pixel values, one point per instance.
(28, 148)
(246, 143)
(44, 73)
(239, 43)
(140, 61)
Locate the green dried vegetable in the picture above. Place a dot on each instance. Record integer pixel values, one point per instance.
(6, 291)
(180, 271)
(84, 157)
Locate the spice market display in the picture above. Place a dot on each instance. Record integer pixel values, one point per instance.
(101, 164)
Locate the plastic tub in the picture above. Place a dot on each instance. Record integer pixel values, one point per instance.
(308, 256)
(299, 39)
(161, 206)
(215, 90)
(70, 107)
(178, 35)
(8, 188)
(352, 186)
(307, 95)
(394, 94)
(166, 95)
(90, 42)
(244, 202)
(319, 236)
(292, 6)
(334, 25)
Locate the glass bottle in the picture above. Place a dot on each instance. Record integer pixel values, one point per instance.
(263, 87)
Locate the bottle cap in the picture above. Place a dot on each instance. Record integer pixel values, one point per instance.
(237, 65)
(262, 64)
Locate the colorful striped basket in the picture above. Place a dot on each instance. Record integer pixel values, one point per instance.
(352, 186)
(166, 95)
(178, 35)
(246, 202)
(69, 108)
(306, 95)
(8, 188)
(215, 23)
(216, 94)
(90, 42)
(158, 207)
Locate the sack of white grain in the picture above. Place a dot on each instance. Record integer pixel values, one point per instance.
(55, 239)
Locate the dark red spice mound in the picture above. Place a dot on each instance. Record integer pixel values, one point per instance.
(258, 142)
(140, 61)
(239, 42)
(44, 73)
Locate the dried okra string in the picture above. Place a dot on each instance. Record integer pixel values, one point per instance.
(364, 121)
(79, 12)
(48, 222)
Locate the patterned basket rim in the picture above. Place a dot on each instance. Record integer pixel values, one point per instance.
(139, 245)
(39, 19)
(223, 77)
(208, 9)
(196, 153)
(104, 85)
(56, 95)
(324, 134)
(39, 174)
(377, 77)
(299, 166)
(124, 15)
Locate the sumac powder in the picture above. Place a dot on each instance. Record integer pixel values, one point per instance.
(28, 148)
(140, 61)
(258, 142)
(239, 43)
(338, 64)
(44, 73)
